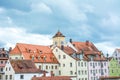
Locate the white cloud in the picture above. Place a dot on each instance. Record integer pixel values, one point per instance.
(87, 8)
(11, 36)
(69, 10)
(41, 8)
(111, 20)
(106, 47)
(2, 10)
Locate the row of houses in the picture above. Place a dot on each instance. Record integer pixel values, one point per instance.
(66, 60)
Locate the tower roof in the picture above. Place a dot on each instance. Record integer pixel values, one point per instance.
(58, 34)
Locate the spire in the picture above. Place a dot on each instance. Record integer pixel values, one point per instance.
(58, 34)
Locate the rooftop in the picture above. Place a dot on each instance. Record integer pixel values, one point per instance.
(37, 53)
(58, 34)
(24, 66)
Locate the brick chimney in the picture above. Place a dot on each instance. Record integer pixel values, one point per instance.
(87, 43)
(44, 74)
(52, 74)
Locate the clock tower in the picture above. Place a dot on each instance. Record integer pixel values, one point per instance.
(58, 39)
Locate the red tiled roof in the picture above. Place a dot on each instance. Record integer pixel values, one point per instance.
(16, 50)
(118, 50)
(40, 53)
(88, 48)
(58, 34)
(24, 66)
(52, 78)
(110, 77)
(68, 50)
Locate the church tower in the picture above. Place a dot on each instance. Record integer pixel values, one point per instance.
(58, 39)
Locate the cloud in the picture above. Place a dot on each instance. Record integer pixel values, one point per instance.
(111, 20)
(2, 10)
(106, 47)
(41, 8)
(11, 36)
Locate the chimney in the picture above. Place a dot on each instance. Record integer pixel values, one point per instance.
(87, 43)
(44, 74)
(70, 40)
(10, 49)
(52, 74)
(73, 44)
(107, 56)
(62, 47)
(3, 49)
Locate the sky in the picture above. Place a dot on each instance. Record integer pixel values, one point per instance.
(36, 22)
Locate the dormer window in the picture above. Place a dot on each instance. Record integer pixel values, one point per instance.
(91, 58)
(40, 52)
(38, 57)
(33, 57)
(62, 43)
(44, 58)
(55, 43)
(28, 50)
(81, 56)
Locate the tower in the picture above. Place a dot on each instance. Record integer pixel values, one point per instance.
(58, 39)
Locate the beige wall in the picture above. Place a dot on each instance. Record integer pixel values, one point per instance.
(58, 40)
(48, 67)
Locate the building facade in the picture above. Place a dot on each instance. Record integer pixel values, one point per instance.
(42, 56)
(114, 67)
(88, 62)
(116, 55)
(3, 60)
(20, 70)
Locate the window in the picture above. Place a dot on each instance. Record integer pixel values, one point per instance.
(59, 56)
(91, 71)
(78, 63)
(56, 50)
(9, 68)
(71, 72)
(85, 63)
(105, 70)
(59, 64)
(21, 76)
(40, 67)
(82, 64)
(16, 57)
(46, 67)
(55, 67)
(52, 67)
(64, 56)
(112, 71)
(70, 64)
(0, 76)
(55, 43)
(90, 64)
(85, 72)
(1, 62)
(6, 68)
(62, 42)
(105, 63)
(82, 71)
(63, 65)
(32, 57)
(59, 72)
(79, 72)
(6, 77)
(10, 76)
(96, 64)
(1, 69)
